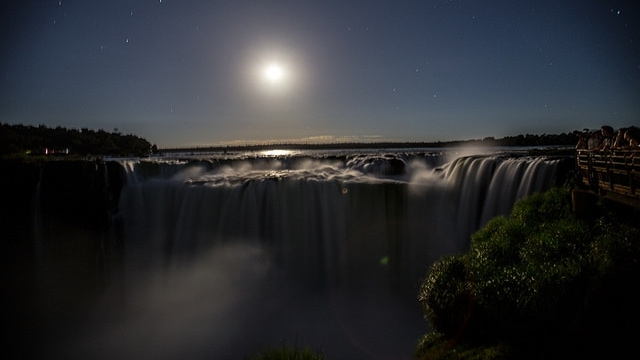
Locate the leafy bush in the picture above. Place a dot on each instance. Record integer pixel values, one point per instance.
(539, 275)
(435, 345)
(445, 295)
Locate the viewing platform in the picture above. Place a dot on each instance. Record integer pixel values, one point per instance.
(614, 174)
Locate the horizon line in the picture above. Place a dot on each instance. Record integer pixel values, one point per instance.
(488, 141)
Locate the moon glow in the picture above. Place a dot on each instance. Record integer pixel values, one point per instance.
(274, 73)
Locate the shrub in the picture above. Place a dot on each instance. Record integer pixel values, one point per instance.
(445, 296)
(536, 276)
(436, 346)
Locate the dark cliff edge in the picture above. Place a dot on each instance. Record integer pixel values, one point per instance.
(77, 192)
(56, 225)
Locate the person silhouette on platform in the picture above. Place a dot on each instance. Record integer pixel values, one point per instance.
(607, 137)
(620, 142)
(632, 136)
(595, 140)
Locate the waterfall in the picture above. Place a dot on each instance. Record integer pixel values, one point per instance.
(489, 186)
(324, 220)
(250, 200)
(222, 257)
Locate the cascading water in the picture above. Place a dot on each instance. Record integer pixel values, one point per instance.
(224, 257)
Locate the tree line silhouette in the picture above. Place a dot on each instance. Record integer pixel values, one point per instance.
(42, 140)
(564, 139)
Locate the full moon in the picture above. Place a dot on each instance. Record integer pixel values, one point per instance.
(274, 73)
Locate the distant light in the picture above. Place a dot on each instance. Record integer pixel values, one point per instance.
(277, 152)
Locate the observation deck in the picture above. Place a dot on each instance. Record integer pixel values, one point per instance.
(614, 174)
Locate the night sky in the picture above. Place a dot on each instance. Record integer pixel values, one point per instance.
(196, 72)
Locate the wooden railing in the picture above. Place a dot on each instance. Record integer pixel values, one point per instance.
(614, 173)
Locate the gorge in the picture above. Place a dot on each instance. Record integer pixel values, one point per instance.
(222, 255)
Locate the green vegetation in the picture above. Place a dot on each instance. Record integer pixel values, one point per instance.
(20, 140)
(540, 283)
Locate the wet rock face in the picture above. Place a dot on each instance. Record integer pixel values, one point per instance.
(17, 185)
(396, 167)
(74, 191)
(385, 166)
(53, 217)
